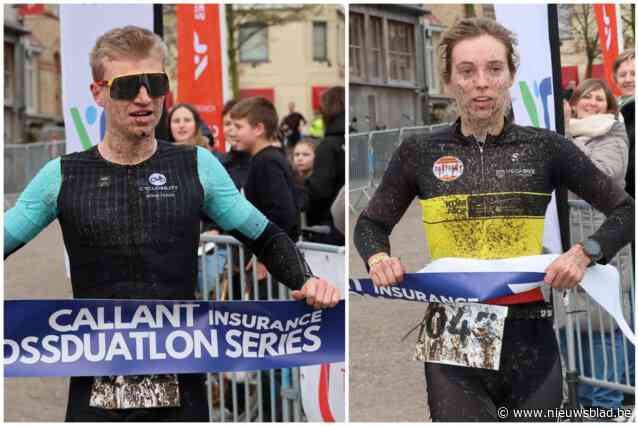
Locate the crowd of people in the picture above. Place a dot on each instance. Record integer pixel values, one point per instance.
(602, 127)
(292, 175)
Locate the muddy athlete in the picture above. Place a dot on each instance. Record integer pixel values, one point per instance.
(484, 185)
(129, 209)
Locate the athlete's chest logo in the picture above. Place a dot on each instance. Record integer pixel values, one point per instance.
(448, 168)
(157, 185)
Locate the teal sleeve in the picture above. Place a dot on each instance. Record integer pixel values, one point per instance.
(223, 203)
(36, 207)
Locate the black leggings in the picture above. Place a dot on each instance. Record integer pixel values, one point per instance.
(529, 377)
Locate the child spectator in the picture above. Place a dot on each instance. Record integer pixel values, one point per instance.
(269, 186)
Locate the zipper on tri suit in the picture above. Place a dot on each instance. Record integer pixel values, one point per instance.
(481, 146)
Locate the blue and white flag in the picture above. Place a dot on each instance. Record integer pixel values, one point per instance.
(453, 280)
(123, 337)
(452, 287)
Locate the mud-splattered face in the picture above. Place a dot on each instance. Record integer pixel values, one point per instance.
(480, 80)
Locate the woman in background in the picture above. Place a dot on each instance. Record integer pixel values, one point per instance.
(591, 118)
(185, 126)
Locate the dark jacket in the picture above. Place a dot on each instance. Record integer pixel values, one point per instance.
(328, 175)
(270, 188)
(629, 114)
(237, 164)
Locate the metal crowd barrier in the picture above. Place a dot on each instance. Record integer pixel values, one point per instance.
(23, 161)
(258, 396)
(360, 175)
(581, 324)
(370, 154)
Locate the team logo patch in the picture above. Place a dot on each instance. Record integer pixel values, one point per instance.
(157, 179)
(448, 168)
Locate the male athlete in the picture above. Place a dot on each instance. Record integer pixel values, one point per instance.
(129, 209)
(484, 185)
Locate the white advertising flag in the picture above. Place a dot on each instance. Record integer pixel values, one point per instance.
(533, 89)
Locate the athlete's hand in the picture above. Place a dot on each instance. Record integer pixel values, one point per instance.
(318, 293)
(568, 269)
(385, 270)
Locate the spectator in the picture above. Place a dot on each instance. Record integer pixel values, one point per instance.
(329, 168)
(591, 123)
(317, 127)
(303, 158)
(236, 162)
(624, 75)
(185, 126)
(269, 185)
(290, 126)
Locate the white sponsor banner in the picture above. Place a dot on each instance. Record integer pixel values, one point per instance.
(323, 386)
(80, 27)
(533, 91)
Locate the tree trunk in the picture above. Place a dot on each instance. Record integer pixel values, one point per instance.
(233, 69)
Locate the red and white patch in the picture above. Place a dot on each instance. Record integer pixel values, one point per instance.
(448, 168)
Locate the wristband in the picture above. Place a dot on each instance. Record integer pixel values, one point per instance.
(379, 257)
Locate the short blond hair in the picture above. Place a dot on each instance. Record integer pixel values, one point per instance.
(128, 42)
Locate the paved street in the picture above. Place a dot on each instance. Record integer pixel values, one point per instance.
(385, 384)
(37, 272)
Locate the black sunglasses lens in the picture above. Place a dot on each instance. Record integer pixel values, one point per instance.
(157, 84)
(128, 87)
(125, 88)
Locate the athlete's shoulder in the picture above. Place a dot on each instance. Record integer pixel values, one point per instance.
(534, 134)
(421, 142)
(86, 154)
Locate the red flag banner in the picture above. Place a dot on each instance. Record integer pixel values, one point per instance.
(199, 65)
(31, 9)
(608, 38)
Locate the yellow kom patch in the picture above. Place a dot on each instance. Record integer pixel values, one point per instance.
(485, 226)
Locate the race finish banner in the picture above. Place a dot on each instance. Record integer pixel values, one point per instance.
(134, 337)
(452, 287)
(200, 66)
(459, 280)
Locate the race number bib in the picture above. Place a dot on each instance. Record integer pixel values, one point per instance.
(126, 392)
(463, 334)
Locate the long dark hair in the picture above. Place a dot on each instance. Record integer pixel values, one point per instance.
(333, 104)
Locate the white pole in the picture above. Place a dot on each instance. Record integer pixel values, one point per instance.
(621, 41)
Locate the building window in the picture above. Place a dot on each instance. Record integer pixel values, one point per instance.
(432, 64)
(9, 73)
(356, 45)
(401, 51)
(253, 43)
(31, 82)
(376, 48)
(319, 42)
